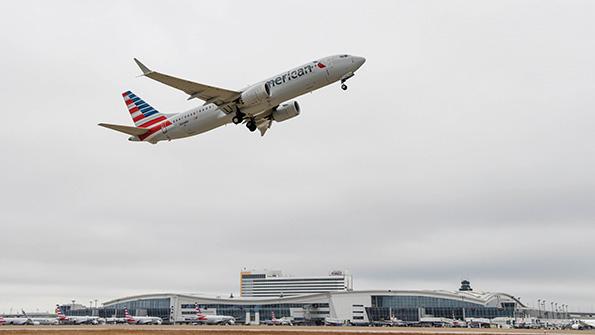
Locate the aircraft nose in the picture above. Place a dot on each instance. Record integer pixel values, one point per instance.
(358, 61)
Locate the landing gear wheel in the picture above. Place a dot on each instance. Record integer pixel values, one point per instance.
(238, 118)
(251, 125)
(344, 87)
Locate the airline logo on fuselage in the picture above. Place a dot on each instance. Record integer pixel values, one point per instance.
(293, 74)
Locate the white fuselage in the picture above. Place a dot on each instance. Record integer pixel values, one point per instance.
(15, 321)
(281, 322)
(283, 87)
(144, 320)
(79, 320)
(44, 321)
(210, 319)
(114, 320)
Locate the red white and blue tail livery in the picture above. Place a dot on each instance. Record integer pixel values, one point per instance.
(257, 105)
(284, 321)
(77, 320)
(141, 320)
(210, 319)
(143, 115)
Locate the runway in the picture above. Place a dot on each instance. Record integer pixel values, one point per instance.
(265, 330)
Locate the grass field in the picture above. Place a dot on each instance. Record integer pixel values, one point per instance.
(263, 330)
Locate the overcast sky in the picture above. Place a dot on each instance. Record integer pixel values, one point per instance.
(464, 148)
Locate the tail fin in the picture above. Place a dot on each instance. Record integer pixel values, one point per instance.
(143, 115)
(2, 321)
(199, 314)
(59, 313)
(127, 316)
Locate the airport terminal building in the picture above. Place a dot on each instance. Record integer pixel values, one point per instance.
(313, 308)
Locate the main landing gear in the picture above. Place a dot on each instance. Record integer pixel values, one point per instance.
(238, 118)
(251, 125)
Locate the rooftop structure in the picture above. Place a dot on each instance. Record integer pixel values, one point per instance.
(272, 283)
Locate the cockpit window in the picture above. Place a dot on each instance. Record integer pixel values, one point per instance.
(343, 56)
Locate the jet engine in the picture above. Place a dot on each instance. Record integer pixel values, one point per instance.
(256, 94)
(286, 111)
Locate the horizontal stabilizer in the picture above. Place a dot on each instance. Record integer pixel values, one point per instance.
(134, 131)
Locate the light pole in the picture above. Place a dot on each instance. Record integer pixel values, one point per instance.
(552, 305)
(539, 308)
(72, 308)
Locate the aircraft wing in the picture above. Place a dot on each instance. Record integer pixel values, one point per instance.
(263, 124)
(209, 94)
(263, 121)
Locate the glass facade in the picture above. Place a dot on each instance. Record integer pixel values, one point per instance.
(311, 311)
(415, 301)
(314, 311)
(412, 308)
(142, 307)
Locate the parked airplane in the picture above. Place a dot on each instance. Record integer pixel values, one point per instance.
(334, 322)
(41, 320)
(15, 321)
(115, 320)
(77, 320)
(141, 320)
(582, 324)
(284, 321)
(211, 319)
(257, 106)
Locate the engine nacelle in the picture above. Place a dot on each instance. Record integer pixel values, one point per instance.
(256, 94)
(286, 111)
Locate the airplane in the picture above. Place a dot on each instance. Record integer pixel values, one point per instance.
(582, 324)
(115, 320)
(142, 320)
(333, 322)
(391, 322)
(275, 322)
(77, 320)
(209, 319)
(257, 105)
(41, 320)
(15, 321)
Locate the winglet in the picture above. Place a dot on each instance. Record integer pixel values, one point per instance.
(142, 67)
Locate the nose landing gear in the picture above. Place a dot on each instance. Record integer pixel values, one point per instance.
(344, 79)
